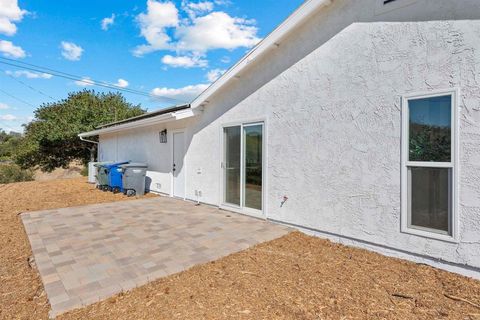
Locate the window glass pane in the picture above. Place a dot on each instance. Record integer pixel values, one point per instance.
(430, 129)
(253, 166)
(430, 198)
(232, 165)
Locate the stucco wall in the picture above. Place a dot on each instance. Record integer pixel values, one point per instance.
(143, 145)
(334, 125)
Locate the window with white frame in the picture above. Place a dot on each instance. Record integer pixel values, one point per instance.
(429, 164)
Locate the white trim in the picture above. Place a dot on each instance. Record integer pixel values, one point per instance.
(269, 42)
(241, 208)
(168, 117)
(172, 178)
(454, 165)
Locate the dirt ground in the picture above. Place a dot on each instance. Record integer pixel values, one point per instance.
(21, 291)
(294, 277)
(73, 171)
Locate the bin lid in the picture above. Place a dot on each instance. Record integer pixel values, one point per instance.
(116, 164)
(99, 164)
(135, 165)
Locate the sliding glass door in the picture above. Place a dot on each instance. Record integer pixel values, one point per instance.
(243, 166)
(232, 164)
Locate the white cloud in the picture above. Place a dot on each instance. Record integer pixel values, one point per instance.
(122, 83)
(202, 30)
(185, 61)
(8, 117)
(225, 59)
(85, 82)
(214, 74)
(71, 51)
(107, 22)
(10, 12)
(9, 50)
(4, 106)
(195, 8)
(29, 74)
(154, 24)
(185, 94)
(217, 30)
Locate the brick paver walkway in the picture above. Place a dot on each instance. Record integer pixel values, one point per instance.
(89, 253)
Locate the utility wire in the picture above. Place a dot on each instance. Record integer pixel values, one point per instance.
(36, 68)
(58, 73)
(29, 86)
(16, 98)
(7, 126)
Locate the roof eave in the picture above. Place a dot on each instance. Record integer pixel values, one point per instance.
(167, 117)
(272, 40)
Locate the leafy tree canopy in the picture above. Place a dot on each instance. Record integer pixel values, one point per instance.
(51, 139)
(9, 142)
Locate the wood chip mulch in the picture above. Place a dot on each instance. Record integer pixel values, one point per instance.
(294, 277)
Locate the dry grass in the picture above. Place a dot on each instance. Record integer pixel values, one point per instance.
(294, 277)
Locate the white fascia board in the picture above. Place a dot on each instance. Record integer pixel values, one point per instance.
(168, 117)
(273, 39)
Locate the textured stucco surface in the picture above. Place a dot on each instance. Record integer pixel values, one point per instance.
(143, 145)
(331, 101)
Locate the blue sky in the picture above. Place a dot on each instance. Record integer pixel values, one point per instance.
(171, 49)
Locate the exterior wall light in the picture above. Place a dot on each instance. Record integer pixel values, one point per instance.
(163, 136)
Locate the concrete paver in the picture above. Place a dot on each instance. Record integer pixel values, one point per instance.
(86, 254)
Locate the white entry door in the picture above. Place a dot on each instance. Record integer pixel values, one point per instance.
(178, 164)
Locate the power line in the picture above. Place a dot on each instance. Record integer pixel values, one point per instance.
(7, 126)
(29, 86)
(36, 68)
(70, 76)
(16, 98)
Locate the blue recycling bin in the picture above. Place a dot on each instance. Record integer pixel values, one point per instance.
(115, 176)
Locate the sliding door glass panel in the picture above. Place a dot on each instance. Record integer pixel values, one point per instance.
(232, 164)
(430, 195)
(253, 137)
(430, 129)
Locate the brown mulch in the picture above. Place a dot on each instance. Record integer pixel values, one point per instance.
(21, 291)
(294, 277)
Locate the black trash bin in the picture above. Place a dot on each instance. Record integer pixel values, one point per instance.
(134, 178)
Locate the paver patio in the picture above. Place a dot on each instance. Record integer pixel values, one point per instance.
(85, 254)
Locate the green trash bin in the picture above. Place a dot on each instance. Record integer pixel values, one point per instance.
(102, 175)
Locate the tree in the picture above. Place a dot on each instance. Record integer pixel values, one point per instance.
(51, 139)
(9, 142)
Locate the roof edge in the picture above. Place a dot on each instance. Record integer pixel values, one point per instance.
(296, 18)
(161, 118)
(146, 115)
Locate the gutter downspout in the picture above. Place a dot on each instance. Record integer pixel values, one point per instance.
(92, 155)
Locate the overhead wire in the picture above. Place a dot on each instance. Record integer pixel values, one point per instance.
(61, 74)
(29, 86)
(16, 98)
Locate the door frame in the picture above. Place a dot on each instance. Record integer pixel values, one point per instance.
(242, 209)
(172, 177)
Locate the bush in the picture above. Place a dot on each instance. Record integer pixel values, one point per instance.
(84, 171)
(13, 173)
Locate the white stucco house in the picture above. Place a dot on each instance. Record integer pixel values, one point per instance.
(354, 120)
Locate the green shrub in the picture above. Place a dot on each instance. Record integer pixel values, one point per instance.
(13, 173)
(84, 171)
